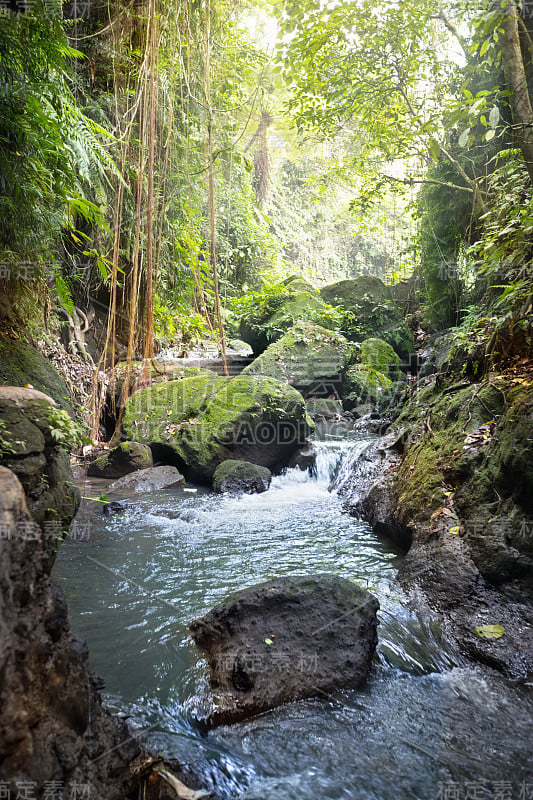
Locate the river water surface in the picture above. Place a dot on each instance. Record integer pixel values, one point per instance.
(426, 726)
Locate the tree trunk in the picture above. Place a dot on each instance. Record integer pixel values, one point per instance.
(515, 78)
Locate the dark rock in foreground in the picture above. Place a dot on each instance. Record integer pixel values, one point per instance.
(32, 446)
(285, 640)
(241, 476)
(53, 726)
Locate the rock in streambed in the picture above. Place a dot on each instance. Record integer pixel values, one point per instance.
(286, 639)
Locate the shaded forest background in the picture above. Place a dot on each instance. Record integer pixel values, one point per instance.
(164, 166)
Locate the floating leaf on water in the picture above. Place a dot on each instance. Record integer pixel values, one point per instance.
(489, 631)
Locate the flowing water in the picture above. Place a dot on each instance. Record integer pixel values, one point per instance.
(425, 726)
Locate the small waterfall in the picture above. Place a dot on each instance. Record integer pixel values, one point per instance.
(335, 460)
(326, 461)
(347, 464)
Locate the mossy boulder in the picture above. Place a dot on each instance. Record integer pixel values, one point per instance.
(322, 407)
(155, 411)
(373, 312)
(240, 477)
(163, 372)
(469, 448)
(309, 357)
(364, 385)
(299, 301)
(297, 283)
(247, 418)
(29, 447)
(21, 363)
(127, 457)
(380, 356)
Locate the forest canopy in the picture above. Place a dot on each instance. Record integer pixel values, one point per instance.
(162, 160)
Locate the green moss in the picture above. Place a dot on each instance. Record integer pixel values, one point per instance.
(298, 284)
(250, 418)
(380, 356)
(125, 458)
(288, 309)
(260, 397)
(153, 413)
(364, 385)
(20, 363)
(434, 460)
(345, 293)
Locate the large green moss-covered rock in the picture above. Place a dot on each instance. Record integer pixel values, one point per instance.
(269, 321)
(153, 412)
(373, 312)
(366, 386)
(21, 363)
(309, 357)
(248, 418)
(380, 356)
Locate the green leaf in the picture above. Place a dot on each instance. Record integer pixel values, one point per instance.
(489, 631)
(490, 135)
(269, 641)
(63, 294)
(484, 47)
(494, 116)
(463, 138)
(434, 148)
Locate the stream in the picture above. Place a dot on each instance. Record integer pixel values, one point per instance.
(427, 726)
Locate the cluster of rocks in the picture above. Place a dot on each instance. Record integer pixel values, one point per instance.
(202, 422)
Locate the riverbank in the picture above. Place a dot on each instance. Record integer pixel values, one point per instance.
(452, 483)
